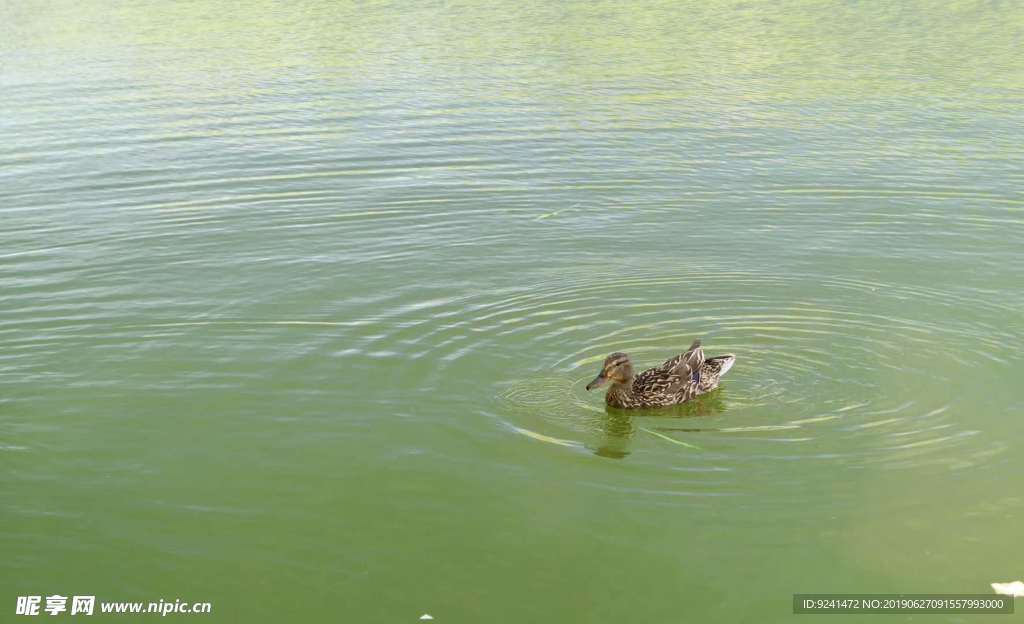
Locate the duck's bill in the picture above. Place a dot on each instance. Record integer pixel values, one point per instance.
(597, 383)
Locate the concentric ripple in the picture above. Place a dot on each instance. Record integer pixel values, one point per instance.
(829, 368)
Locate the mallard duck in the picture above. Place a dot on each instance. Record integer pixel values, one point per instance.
(676, 381)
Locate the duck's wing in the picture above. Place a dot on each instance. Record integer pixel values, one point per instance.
(657, 382)
(686, 365)
(660, 387)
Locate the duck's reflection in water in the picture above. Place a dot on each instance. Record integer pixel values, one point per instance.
(618, 425)
(617, 429)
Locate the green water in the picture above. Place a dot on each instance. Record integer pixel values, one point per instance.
(298, 302)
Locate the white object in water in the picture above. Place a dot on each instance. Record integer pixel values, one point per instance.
(1015, 588)
(426, 616)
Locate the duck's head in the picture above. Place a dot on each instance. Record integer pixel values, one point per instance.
(617, 368)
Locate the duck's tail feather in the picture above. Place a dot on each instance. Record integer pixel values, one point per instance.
(720, 364)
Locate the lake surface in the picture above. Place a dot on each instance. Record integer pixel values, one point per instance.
(298, 302)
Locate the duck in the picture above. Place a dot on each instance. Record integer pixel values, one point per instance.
(677, 381)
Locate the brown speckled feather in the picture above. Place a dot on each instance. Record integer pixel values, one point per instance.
(685, 363)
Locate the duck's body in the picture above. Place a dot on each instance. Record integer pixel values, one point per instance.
(676, 381)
